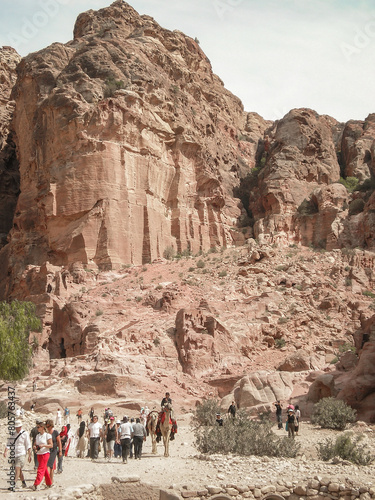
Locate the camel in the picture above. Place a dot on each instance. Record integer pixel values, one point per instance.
(166, 427)
(151, 426)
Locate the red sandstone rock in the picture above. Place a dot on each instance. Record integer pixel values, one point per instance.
(129, 145)
(9, 175)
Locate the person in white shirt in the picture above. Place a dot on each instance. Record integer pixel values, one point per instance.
(20, 445)
(95, 433)
(125, 432)
(298, 417)
(43, 444)
(58, 418)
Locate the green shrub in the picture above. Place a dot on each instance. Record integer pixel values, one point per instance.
(279, 343)
(99, 312)
(240, 435)
(17, 320)
(368, 294)
(169, 253)
(111, 85)
(346, 449)
(331, 413)
(201, 264)
(366, 185)
(222, 274)
(213, 250)
(205, 413)
(350, 183)
(191, 269)
(347, 347)
(186, 252)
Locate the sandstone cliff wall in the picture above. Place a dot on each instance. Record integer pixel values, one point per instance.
(9, 175)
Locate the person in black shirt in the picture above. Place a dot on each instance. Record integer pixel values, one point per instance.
(291, 423)
(166, 400)
(278, 414)
(219, 420)
(232, 409)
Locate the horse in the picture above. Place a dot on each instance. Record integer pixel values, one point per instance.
(152, 422)
(166, 427)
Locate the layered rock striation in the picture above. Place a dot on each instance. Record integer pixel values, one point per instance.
(127, 145)
(121, 147)
(9, 174)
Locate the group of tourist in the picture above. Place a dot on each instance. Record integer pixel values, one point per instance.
(293, 418)
(47, 445)
(120, 438)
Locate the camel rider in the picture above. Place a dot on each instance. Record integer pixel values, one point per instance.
(166, 400)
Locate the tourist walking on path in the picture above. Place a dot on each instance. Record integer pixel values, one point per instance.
(66, 415)
(55, 450)
(139, 435)
(110, 437)
(117, 447)
(82, 440)
(279, 417)
(64, 441)
(126, 432)
(20, 444)
(58, 417)
(96, 434)
(79, 415)
(291, 420)
(297, 413)
(33, 434)
(43, 445)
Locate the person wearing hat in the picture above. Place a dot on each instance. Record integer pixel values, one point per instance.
(20, 445)
(43, 444)
(219, 420)
(110, 437)
(291, 420)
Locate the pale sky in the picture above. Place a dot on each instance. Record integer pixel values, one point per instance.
(274, 55)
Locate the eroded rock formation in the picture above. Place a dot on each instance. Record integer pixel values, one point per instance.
(9, 176)
(127, 144)
(129, 148)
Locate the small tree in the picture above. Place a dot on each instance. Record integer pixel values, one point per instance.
(240, 435)
(17, 319)
(345, 448)
(205, 413)
(331, 413)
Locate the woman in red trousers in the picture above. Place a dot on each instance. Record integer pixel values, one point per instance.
(43, 443)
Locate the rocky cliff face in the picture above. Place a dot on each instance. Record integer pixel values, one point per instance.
(127, 144)
(121, 147)
(9, 176)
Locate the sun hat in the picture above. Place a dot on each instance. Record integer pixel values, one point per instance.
(111, 418)
(18, 423)
(118, 422)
